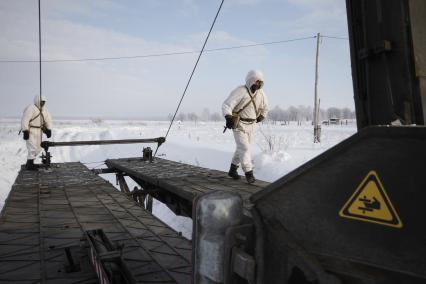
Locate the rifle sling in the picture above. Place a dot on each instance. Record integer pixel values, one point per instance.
(251, 101)
(42, 119)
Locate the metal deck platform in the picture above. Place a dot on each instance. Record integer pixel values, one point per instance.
(163, 179)
(47, 213)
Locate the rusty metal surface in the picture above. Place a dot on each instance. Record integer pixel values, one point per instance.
(183, 180)
(48, 211)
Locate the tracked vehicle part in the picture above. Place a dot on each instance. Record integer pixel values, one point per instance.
(177, 184)
(356, 210)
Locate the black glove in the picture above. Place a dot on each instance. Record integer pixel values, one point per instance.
(48, 132)
(260, 118)
(26, 134)
(229, 122)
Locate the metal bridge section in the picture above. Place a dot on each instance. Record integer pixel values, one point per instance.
(177, 184)
(47, 214)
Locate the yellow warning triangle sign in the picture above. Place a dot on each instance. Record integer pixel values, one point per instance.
(370, 203)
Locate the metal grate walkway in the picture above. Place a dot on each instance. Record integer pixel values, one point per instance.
(47, 212)
(182, 180)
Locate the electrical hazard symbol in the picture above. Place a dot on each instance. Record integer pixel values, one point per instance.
(370, 203)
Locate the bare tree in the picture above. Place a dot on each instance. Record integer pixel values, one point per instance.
(271, 142)
(216, 117)
(299, 113)
(181, 116)
(205, 114)
(333, 112)
(276, 114)
(323, 114)
(305, 113)
(169, 117)
(346, 113)
(293, 113)
(192, 116)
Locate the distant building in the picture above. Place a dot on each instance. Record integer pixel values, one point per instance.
(334, 120)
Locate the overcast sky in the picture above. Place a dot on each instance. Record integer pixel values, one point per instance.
(151, 87)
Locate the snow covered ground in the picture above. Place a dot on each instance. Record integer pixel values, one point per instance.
(277, 150)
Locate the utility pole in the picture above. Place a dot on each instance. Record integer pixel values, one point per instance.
(317, 125)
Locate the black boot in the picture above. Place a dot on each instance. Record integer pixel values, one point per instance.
(30, 165)
(250, 177)
(233, 172)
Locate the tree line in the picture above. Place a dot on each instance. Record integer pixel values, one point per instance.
(205, 115)
(292, 113)
(306, 113)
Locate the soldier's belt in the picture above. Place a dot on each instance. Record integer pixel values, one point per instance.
(247, 119)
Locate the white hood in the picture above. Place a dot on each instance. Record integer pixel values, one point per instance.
(37, 100)
(252, 77)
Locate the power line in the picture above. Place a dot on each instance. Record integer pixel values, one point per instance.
(335, 37)
(172, 53)
(161, 54)
(260, 44)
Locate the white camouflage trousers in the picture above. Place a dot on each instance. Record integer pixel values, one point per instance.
(33, 144)
(243, 136)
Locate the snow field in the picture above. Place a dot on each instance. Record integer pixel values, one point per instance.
(277, 149)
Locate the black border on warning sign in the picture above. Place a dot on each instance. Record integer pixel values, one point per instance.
(372, 176)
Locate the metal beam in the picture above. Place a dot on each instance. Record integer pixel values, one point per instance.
(48, 144)
(103, 171)
(122, 182)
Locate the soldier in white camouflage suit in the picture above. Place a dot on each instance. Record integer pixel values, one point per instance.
(250, 102)
(35, 120)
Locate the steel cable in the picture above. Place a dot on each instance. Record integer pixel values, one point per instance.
(192, 74)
